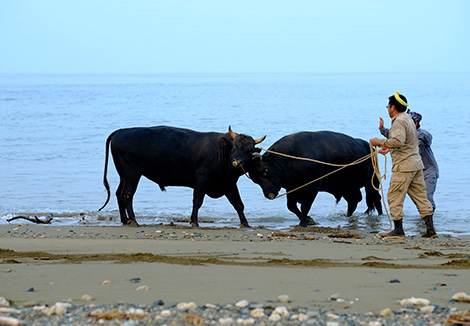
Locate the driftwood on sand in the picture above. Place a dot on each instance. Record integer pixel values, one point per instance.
(34, 220)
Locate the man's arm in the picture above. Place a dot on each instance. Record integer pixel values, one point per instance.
(384, 131)
(397, 136)
(424, 137)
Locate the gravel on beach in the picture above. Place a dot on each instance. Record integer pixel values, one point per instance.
(239, 313)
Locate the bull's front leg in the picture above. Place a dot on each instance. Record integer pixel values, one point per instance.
(305, 208)
(198, 199)
(292, 206)
(305, 205)
(233, 196)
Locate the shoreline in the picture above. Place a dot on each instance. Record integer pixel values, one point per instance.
(319, 269)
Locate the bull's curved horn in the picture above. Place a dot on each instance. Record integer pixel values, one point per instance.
(259, 140)
(234, 135)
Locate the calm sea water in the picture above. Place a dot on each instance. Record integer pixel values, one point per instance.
(54, 127)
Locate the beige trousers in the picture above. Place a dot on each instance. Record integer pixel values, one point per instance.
(411, 183)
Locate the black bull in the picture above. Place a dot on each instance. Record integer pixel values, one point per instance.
(273, 172)
(172, 156)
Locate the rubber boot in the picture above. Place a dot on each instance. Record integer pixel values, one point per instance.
(397, 232)
(430, 232)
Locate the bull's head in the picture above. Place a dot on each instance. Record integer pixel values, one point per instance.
(267, 175)
(243, 148)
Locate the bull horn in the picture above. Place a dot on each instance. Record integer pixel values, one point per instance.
(234, 135)
(259, 140)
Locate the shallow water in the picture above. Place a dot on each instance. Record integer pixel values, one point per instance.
(54, 127)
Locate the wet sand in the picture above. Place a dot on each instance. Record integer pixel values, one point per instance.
(318, 268)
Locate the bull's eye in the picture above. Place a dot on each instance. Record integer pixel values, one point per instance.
(265, 172)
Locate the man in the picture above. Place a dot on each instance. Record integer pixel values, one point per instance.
(431, 169)
(407, 168)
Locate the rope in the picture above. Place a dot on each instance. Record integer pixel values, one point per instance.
(341, 166)
(311, 159)
(375, 164)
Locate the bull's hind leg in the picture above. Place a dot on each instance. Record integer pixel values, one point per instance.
(120, 195)
(125, 195)
(353, 197)
(373, 200)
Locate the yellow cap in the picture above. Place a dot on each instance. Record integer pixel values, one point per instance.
(398, 98)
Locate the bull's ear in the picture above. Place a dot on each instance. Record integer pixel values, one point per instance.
(226, 141)
(256, 155)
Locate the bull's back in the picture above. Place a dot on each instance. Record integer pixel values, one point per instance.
(166, 155)
(324, 146)
(329, 146)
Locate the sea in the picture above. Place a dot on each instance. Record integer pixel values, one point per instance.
(53, 130)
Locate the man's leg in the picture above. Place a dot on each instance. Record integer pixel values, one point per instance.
(418, 194)
(397, 190)
(431, 182)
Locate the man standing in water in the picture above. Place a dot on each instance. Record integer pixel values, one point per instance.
(431, 169)
(407, 169)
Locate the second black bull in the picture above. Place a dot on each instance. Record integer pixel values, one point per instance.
(273, 172)
(172, 156)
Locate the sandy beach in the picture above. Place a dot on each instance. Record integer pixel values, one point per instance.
(316, 268)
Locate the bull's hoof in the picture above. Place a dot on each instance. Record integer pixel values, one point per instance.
(311, 221)
(303, 224)
(131, 223)
(195, 224)
(245, 225)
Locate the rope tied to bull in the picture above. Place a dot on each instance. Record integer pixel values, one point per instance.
(340, 167)
(373, 156)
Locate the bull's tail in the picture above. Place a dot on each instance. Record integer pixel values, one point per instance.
(105, 180)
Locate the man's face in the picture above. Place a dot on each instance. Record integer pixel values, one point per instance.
(391, 110)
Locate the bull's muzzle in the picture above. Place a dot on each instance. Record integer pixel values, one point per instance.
(271, 195)
(236, 163)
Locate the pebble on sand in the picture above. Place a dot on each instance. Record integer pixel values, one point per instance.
(385, 312)
(165, 313)
(461, 297)
(247, 321)
(274, 317)
(6, 310)
(429, 309)
(86, 297)
(59, 308)
(226, 321)
(281, 311)
(4, 302)
(9, 321)
(283, 298)
(242, 304)
(257, 313)
(415, 302)
(186, 306)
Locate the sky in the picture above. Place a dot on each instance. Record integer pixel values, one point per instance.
(223, 36)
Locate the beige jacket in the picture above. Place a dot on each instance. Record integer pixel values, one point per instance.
(403, 143)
